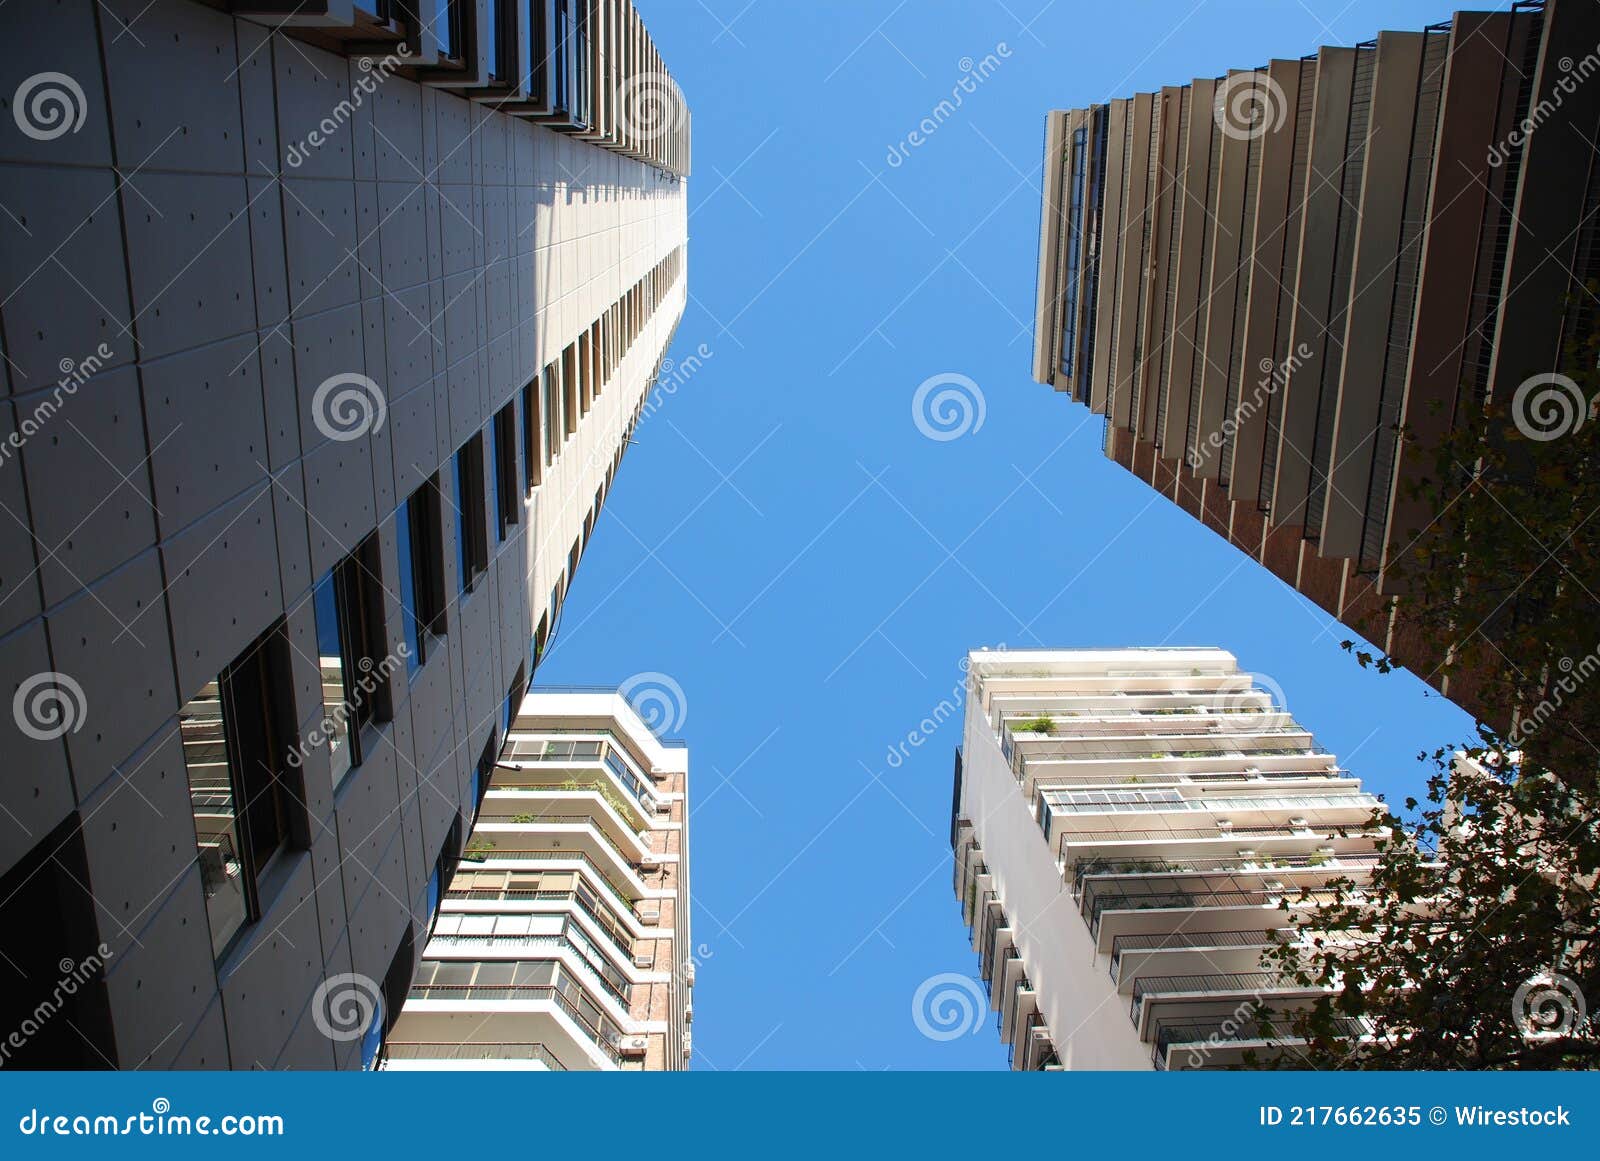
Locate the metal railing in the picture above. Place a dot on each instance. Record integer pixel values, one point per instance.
(491, 1050)
(520, 992)
(1095, 904)
(530, 855)
(1226, 1030)
(1109, 867)
(1220, 984)
(607, 923)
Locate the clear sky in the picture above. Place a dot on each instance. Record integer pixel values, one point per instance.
(787, 545)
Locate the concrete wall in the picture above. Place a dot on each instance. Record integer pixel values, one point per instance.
(183, 497)
(1088, 1021)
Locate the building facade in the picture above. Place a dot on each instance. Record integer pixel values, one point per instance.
(562, 941)
(1132, 828)
(324, 330)
(1257, 279)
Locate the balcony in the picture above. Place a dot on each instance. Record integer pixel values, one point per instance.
(615, 931)
(523, 994)
(503, 1054)
(1224, 1040)
(1327, 862)
(522, 947)
(484, 853)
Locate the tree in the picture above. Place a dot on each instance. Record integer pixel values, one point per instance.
(1474, 942)
(1503, 582)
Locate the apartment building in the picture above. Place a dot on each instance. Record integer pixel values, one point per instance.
(1132, 828)
(324, 328)
(1257, 279)
(562, 940)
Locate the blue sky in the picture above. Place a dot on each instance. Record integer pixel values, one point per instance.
(785, 543)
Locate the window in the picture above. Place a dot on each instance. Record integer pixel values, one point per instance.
(446, 24)
(504, 454)
(532, 451)
(570, 388)
(235, 735)
(550, 388)
(472, 545)
(348, 602)
(421, 565)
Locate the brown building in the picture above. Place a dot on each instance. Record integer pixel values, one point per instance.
(1258, 279)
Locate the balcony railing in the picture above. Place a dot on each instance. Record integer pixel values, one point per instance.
(503, 945)
(523, 855)
(518, 992)
(1083, 837)
(1186, 941)
(610, 924)
(1261, 802)
(496, 1050)
(1226, 1030)
(553, 819)
(1109, 867)
(1095, 904)
(1219, 984)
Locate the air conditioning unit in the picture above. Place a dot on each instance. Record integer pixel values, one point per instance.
(663, 808)
(688, 973)
(643, 960)
(688, 1013)
(1299, 824)
(649, 861)
(649, 914)
(633, 1045)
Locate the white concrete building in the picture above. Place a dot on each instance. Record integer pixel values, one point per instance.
(562, 939)
(1126, 824)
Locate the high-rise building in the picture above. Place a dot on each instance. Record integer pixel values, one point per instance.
(324, 329)
(562, 941)
(1132, 829)
(1257, 278)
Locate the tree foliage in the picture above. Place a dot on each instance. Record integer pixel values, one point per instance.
(1475, 943)
(1488, 890)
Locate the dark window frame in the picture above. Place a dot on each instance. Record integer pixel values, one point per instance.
(472, 540)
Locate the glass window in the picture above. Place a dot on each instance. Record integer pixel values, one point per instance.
(372, 1039)
(503, 472)
(409, 613)
(472, 548)
(235, 737)
(446, 24)
(347, 602)
(530, 436)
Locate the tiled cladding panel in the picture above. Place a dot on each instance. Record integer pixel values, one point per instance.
(179, 273)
